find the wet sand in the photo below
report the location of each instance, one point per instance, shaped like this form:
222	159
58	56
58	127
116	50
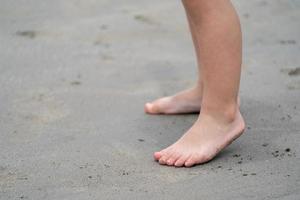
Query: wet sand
75	75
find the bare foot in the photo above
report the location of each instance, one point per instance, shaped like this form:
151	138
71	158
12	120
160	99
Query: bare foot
203	141
188	101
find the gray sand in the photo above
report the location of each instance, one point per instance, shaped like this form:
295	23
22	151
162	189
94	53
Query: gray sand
75	75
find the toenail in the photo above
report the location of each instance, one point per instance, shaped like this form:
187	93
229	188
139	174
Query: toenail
157	155
188	164
178	165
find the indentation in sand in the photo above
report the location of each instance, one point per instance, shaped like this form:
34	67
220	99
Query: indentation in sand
34	111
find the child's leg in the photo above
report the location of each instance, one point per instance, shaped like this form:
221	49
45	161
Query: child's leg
187	101
220	122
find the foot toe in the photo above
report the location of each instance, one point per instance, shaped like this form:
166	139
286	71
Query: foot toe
180	161
157	155
195	159
163	160
171	161
152	108
190	162
166	154
148	108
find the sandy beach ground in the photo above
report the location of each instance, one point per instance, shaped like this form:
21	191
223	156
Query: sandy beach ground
75	75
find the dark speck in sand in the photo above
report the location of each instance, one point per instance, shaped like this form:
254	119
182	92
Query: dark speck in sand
275	154
236	155
90	177
281	154
104	27
28	34
141	140
125	173
219	166
253	174
245	174
75	83
240	162
294	72
143	19
23	178
249	157
265	144
287	42
246	15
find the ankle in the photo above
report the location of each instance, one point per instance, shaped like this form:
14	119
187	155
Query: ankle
226	113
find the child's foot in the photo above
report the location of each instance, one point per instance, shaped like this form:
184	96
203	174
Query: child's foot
203	141
188	101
